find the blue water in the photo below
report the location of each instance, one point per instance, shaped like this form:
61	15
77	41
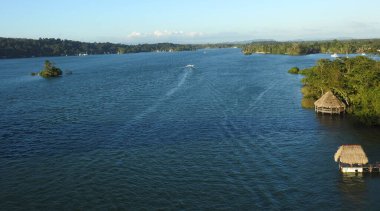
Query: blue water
140	131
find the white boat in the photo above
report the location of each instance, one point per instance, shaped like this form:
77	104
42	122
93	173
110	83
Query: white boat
189	66
334	55
363	54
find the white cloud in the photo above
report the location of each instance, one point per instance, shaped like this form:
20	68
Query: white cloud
160	33
166	33
134	35
195	34
163	36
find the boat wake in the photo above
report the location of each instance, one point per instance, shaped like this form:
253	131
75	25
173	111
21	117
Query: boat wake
151	109
180	83
252	105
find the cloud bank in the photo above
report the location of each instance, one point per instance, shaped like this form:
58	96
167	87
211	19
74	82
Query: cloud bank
163	36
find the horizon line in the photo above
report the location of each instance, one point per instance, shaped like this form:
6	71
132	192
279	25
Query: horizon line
204	43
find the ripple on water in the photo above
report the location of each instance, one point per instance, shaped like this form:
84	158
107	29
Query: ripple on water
140	132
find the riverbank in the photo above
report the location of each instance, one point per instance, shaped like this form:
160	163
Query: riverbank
48	47
369	46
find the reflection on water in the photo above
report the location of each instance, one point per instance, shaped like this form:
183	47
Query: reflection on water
358	189
353	189
348	131
332	120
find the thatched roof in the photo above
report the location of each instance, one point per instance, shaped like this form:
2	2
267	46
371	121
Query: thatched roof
351	154
328	100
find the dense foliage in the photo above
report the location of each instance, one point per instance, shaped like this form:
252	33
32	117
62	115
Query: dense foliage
311	47
294	70
356	81
50	70
19	48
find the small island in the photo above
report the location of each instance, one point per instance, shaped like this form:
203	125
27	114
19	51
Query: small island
49	70
294	70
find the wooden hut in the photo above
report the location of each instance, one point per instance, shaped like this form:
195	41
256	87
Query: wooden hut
352	158
330	104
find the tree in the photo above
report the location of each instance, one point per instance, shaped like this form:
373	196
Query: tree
309	47
19	48
50	70
356	81
294	70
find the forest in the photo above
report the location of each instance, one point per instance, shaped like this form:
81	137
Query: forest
356	81
25	48
369	46
22	48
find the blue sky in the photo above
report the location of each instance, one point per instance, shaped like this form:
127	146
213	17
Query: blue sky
189	21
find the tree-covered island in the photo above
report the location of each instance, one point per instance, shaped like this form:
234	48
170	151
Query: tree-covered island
49	70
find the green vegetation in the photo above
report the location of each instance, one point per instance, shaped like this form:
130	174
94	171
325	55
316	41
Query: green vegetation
50	70
21	48
312	47
356	81
294	70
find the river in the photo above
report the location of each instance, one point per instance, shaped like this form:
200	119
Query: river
142	131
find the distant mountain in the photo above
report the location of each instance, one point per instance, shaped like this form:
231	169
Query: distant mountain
243	42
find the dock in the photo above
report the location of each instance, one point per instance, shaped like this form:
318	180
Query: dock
367	168
352	159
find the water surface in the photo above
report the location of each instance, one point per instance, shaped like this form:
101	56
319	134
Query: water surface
140	131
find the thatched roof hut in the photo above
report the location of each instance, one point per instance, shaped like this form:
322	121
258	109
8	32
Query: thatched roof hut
351	154
328	103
